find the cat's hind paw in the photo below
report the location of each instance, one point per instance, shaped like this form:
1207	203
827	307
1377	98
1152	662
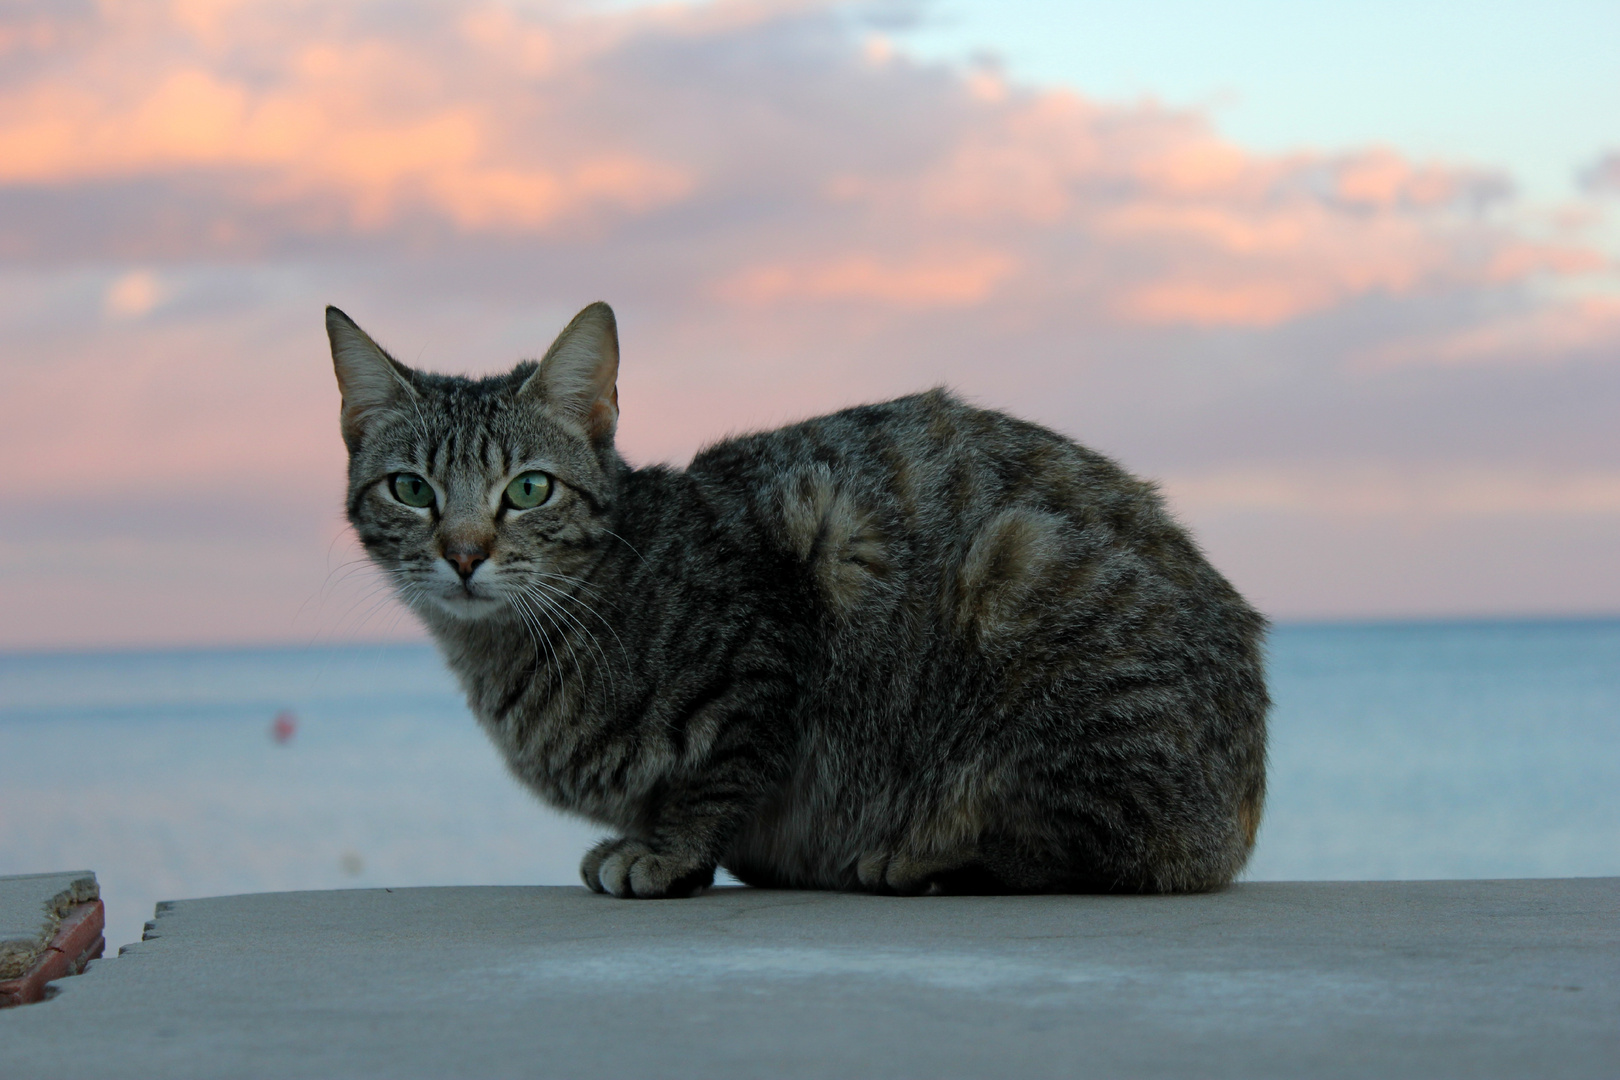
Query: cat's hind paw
631	869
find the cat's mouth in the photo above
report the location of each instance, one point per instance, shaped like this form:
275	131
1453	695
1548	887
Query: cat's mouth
468	600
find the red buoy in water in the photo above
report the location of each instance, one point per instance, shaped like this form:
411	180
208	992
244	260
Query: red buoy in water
284	727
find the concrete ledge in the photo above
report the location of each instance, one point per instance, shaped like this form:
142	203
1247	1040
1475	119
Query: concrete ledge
1368	979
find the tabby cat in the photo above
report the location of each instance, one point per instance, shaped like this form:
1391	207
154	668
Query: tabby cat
906	648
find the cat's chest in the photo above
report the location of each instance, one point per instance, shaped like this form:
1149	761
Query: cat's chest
523	716
550	742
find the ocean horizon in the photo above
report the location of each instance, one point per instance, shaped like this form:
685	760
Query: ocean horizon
1400	749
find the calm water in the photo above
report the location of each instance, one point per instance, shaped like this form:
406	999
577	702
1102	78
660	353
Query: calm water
1398	751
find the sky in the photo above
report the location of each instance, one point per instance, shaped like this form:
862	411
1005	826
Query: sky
1491	82
1344	283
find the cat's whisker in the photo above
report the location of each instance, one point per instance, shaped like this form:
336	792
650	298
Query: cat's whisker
595	643
567	579
348	567
627	544
560	594
546	604
323	594
393	621
605	666
371	594
540	613
336	576
378	605
576	585
380	592
535	636
535	617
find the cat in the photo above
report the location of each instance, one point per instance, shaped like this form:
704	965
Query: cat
913	647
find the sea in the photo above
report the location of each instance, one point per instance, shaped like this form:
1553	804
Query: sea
1398	750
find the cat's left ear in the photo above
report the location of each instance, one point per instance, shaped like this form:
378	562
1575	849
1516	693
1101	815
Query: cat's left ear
580	373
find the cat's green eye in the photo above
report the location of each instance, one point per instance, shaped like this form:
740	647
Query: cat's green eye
528	491
411	489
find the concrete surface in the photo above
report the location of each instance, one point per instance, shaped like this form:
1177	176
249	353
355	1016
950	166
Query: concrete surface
1370	979
31	908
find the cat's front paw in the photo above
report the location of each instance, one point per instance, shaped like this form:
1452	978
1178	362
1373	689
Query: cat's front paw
901	874
632	869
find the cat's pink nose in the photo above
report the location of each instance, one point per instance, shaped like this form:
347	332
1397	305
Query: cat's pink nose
465	558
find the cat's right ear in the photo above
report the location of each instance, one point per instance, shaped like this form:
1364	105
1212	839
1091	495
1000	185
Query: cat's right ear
371	381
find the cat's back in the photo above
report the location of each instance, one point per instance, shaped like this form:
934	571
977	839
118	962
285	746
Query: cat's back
948	550
871	496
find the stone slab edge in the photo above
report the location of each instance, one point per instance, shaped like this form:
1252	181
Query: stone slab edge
79	939
32	907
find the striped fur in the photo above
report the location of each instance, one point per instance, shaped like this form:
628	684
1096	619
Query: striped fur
909	647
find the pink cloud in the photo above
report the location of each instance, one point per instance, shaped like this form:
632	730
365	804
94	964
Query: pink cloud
788	219
362	115
1254	303
492	120
948	279
1547	333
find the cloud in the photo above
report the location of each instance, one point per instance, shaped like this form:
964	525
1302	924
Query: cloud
352	118
1401	493
134	294
1552	332
787	162
946	279
1602	177
788	218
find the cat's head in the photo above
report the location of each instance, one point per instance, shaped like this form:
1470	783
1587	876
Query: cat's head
481	496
